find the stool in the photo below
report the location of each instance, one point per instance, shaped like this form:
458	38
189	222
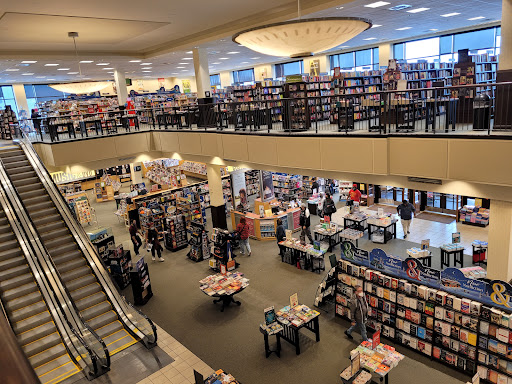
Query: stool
269	351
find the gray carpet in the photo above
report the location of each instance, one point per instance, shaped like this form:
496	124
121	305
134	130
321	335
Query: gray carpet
232	341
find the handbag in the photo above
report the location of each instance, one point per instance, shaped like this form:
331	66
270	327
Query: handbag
149	247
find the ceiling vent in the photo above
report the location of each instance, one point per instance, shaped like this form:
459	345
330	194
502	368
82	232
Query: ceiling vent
424	180
400	7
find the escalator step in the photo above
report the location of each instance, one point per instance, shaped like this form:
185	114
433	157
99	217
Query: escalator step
14	251
21	162
35	200
22	176
23	278
19	168
11	263
42	344
24	303
8	246
102	320
31	181
90	301
109	329
39	206
53	244
48	355
14	272
85	291
56	370
6	236
96	310
4	226
31	322
50	226
36	333
24	189
80	282
66	257
58	233
50	216
66	248
29	192
32	310
118	341
76	273
72	264
21	290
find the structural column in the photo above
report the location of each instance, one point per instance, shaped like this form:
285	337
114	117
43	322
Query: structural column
385	54
122	90
21	99
136	175
202	73
499	258
217	203
504	94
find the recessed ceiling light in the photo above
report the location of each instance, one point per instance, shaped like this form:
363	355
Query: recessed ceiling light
371	38
107	68
233	53
477	18
87	61
244	62
377	4
40	77
51	79
29	62
450	14
135	61
63	69
402	29
51	65
72	73
188	58
102	63
146	67
345	46
146	63
147	76
146	71
433	29
376	25
107	72
183	63
12	69
180	67
27	74
338	8
418	10
255	58
215	63
184	70
174	73
223	58
189	52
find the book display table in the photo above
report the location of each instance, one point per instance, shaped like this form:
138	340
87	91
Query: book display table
224	287
218	377
352	235
448	250
367	363
380	231
356	221
304	256
296	318
266	334
424	256
330	234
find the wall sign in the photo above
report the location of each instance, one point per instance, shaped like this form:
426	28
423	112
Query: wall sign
62	177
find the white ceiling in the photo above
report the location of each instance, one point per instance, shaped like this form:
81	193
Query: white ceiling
136	30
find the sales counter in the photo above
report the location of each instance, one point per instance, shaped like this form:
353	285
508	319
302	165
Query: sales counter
264	228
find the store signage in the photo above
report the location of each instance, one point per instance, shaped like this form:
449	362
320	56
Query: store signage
267	186
375	339
239	190
62	177
314	67
293	78
495	292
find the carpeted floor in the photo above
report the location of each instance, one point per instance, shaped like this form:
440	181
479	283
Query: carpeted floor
232	341
445	219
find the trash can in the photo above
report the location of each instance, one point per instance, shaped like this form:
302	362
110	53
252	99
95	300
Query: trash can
482	112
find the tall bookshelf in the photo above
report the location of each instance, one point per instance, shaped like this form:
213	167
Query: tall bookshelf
252	182
287	187
298	110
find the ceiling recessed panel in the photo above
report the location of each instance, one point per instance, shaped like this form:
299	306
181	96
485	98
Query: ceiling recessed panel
53	29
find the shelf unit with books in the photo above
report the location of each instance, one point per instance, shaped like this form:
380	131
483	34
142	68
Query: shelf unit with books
252	182
199	244
298	109
287	187
175	233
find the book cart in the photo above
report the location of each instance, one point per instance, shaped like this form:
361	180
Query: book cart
461	322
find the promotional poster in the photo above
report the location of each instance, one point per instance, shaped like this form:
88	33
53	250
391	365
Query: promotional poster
267	186
239	191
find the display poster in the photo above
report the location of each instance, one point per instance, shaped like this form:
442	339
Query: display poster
161	82
270	315
294	300
314	67
337	72
140	264
239	191
478	202
267	186
186	86
140	85
355	363
375	339
261	211
250	225
456	238
327	219
289	234
495	292
296	219
425	244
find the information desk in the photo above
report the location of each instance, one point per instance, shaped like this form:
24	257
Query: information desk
264	228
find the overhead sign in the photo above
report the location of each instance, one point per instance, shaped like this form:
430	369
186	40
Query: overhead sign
62	177
293	78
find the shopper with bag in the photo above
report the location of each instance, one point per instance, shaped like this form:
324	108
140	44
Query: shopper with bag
320	205
243	229
329	206
406	211
358	313
280	236
305	223
134	236
153	244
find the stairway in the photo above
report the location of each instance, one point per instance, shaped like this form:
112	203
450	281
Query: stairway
71	264
28	313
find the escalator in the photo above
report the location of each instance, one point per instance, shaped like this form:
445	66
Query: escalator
35	304
79	266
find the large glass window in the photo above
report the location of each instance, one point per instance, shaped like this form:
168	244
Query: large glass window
245	76
215	80
7	98
422	48
37	93
452	201
366	59
291	68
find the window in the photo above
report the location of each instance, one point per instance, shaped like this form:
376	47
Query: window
291	68
7	97
366	59
434	199
244	76
481	39
451	202
215	80
422	48
37	93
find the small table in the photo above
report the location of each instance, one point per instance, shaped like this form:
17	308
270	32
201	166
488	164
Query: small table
269	351
290	332
425	260
292	255
227	299
458	257
224	287
333	238
360	225
389	231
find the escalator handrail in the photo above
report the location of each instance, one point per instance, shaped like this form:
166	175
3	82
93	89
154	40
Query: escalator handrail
78	232
39	273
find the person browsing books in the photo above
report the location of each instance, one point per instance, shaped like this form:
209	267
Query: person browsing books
329	206
358	313
406	211
315	187
305	223
134	236
243	229
280	235
320	205
153	242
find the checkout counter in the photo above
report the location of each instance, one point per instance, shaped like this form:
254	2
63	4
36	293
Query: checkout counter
264	228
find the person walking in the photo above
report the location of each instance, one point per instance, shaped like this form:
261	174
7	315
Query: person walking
354	195
243	229
329	206
280	236
305	223
134	236
358	313
315	188
320	205
152	240
406	211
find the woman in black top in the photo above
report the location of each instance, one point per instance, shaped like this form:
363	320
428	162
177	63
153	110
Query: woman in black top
329	206
280	236
152	238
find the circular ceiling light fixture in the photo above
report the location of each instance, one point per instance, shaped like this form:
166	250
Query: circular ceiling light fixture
302	37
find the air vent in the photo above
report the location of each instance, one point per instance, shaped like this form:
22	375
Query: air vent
400	7
424	180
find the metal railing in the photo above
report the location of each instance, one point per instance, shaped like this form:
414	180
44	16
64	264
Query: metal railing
454	109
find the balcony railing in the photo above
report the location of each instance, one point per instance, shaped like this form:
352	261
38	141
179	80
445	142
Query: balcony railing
476	109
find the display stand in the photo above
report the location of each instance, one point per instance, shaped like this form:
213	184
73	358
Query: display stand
269	351
120	264
175	233
199	245
103	241
224	259
141	285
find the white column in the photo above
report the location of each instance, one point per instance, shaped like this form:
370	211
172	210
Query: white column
225	79
136	175
499	258
122	90
215	185
21	98
506	36
385	54
202	73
